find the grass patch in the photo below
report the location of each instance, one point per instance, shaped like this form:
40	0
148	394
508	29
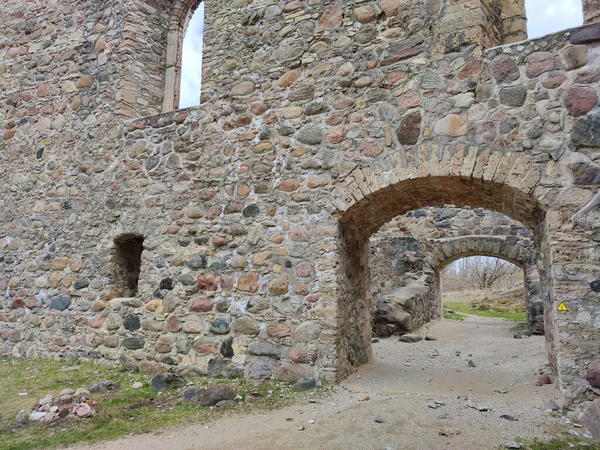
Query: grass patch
118	413
559	444
466	308
453	316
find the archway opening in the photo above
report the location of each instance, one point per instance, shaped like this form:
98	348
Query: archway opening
371	206
409	254
127	263
484	286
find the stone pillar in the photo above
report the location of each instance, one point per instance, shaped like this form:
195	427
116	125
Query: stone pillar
513	21
591	11
354	301
533	299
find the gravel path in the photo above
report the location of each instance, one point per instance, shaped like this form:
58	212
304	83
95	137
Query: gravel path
400	384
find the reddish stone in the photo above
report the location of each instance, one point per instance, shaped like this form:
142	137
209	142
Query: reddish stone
370	149
279	286
331	17
207	349
17	303
335	136
544	379
207	283
9	134
409	130
364	14
343	104
394	77
278	330
312	298
470	69
554	82
258	109
97	322
111	342
227	282
299	355
539	63
289	185
580	100
248	282
60	341
207	195
593	375
505	69
173	324
294	372
305	269
391	8
219	241
301	288
409	101
299	234
201	304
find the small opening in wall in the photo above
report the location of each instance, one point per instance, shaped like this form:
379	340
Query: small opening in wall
128	258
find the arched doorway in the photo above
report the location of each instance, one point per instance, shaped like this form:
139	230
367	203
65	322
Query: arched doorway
368	198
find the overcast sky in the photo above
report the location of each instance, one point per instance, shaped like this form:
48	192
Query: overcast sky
544	17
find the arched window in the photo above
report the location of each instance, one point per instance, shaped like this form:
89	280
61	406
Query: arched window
191	61
187	20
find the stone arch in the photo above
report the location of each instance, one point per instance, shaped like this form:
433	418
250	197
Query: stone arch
434	175
449	250
181	15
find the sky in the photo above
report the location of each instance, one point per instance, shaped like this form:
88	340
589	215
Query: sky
191	61
543	17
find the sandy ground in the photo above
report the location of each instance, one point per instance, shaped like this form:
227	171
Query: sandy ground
400	383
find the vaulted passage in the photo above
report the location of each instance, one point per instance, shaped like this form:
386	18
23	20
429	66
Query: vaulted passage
371	212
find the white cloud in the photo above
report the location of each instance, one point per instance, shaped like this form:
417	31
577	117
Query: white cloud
191	60
549	16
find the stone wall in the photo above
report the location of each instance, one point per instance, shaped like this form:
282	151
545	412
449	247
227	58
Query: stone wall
321	121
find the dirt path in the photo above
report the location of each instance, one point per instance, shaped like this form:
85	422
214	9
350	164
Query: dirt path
400	383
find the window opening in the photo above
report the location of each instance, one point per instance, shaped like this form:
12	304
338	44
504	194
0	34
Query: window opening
128	257
191	61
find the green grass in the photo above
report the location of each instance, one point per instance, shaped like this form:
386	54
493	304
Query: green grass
467	309
558	444
118	413
454	316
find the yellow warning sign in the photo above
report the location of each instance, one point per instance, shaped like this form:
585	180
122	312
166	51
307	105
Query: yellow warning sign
562	307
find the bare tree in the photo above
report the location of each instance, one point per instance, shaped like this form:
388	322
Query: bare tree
481	273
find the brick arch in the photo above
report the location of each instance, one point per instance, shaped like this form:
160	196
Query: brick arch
434	175
181	14
448	251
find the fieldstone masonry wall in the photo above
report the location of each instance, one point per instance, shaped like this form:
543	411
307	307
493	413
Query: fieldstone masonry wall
320	122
